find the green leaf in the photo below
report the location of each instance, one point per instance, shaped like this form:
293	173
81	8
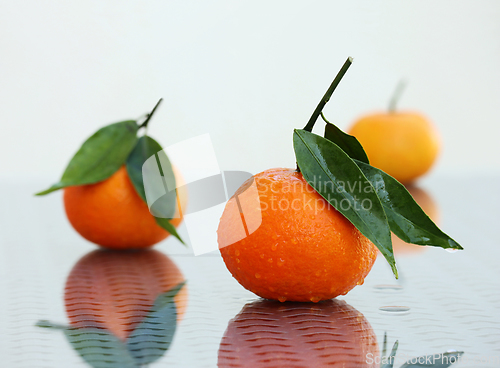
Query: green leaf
153	336
98	347
161	178
406	219
434	361
100	156
348	143
167	225
337	178
147	149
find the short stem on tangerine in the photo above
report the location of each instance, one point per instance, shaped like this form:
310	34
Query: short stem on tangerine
398	91
150	115
328	94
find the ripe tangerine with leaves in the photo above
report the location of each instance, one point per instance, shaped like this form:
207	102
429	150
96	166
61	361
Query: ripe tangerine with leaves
105	194
328	252
111	213
304	249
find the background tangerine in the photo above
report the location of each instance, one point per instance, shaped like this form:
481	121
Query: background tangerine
111	213
403	144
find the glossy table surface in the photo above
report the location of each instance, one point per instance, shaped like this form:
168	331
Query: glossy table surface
443	302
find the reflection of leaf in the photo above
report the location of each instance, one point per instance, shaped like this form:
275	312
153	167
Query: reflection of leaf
434	361
389	361
147	343
100	156
426	361
337	178
98	347
153	336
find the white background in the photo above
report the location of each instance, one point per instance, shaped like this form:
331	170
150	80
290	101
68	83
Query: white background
246	72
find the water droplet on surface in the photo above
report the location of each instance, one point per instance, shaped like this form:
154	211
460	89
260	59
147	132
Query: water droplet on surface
314	299
395	309
360	282
388	288
262	255
257	275
294	241
237	252
282	298
451	250
270	260
237	260
274	246
313	217
280	262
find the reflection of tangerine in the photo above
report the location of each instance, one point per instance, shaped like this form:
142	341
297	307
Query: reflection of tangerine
116	290
111	213
304	249
403	144
270	334
429	206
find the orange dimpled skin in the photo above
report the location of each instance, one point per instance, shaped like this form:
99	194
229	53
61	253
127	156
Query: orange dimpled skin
304	249
111	214
403	144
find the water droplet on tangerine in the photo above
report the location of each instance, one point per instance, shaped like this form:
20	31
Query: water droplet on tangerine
282	298
237	252
314	299
274	246
257	275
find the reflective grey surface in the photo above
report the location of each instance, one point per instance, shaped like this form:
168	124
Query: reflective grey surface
442	302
